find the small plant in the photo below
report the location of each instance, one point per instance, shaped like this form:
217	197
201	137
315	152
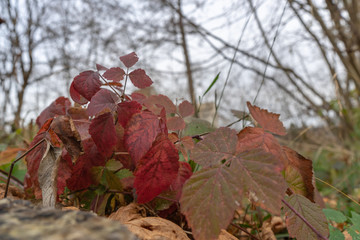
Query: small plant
144	149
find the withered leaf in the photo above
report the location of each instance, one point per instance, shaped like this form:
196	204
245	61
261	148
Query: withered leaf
47	174
65	129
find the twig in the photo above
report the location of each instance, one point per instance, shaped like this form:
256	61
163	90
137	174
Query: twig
304	220
244	230
15	161
18	181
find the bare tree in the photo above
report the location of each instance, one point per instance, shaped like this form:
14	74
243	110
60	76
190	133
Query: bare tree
52	40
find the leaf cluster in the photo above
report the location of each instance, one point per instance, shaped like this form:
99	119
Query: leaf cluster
112	148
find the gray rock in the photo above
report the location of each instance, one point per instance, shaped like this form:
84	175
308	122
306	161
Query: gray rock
20	220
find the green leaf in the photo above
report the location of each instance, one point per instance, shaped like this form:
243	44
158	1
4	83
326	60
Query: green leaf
197	126
212	84
353	234
336	234
334	215
355	219
113	165
124	173
311	212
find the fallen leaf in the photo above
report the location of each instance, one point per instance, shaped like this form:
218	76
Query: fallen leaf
225	235
128	213
155	228
10	154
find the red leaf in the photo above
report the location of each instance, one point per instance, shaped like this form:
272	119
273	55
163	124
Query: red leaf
126	110
58	107
186	109
81	176
64	172
103	99
140	133
33	161
156	170
253	138
184	145
215	147
138	97
87	84
299	174
175	123
269	121
223	185
75	95
130	59
93	155
101	67
139	78
156	102
102	131
115	74
184	174
125	159
311	212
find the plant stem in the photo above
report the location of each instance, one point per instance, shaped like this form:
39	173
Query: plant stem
15	161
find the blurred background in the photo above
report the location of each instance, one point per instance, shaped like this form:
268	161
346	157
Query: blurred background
298	58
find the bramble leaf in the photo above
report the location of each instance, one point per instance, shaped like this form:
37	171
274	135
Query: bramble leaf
184	174
76	96
87	84
311	212
102	131
175	123
299	174
126	110
103	99
196	126
140	133
138	97
101	67
215	147
186	109
115	74
204	193
155	103
156	170
334	215
81	176
269	121
139	78
57	107
253	138
225	176
130	59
